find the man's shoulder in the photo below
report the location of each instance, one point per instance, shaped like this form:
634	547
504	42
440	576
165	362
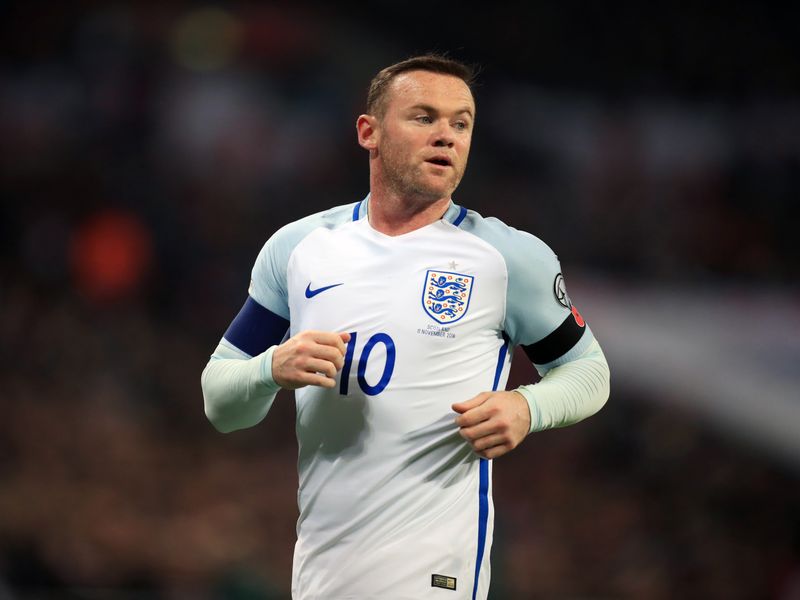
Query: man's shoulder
292	233
268	281
508	240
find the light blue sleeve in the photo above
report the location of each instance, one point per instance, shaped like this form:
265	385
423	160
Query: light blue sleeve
238	389
536	317
268	280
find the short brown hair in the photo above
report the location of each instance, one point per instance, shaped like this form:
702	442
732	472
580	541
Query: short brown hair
435	63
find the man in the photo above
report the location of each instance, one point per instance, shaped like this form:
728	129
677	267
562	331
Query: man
402	313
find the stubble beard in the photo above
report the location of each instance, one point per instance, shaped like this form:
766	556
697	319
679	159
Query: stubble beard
408	182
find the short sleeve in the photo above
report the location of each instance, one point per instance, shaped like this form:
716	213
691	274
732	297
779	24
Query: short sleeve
539	314
268	278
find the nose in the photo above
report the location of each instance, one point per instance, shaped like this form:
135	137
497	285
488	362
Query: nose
443	135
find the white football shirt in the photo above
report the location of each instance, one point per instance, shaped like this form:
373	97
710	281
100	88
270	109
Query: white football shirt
393	502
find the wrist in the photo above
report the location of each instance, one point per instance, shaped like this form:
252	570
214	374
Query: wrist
533	409
265	374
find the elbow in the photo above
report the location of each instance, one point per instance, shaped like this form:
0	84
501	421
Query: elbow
217	419
604	389
227	417
212	405
226	409
219	415
597	387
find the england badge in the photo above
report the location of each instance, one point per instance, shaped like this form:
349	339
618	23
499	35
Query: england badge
446	295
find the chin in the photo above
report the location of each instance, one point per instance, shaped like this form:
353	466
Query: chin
439	189
434	194
427	188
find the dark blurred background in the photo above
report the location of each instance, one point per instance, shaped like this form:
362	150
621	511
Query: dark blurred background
147	151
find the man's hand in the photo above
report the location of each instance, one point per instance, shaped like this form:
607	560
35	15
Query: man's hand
494	422
309	358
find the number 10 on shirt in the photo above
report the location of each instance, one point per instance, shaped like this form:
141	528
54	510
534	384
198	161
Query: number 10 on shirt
363	359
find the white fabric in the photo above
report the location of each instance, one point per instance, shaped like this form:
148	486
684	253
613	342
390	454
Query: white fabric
390	494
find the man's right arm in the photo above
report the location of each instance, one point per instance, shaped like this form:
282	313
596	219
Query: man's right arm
239	387
252	361
238	391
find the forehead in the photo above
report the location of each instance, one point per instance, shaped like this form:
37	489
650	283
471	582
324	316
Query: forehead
424	87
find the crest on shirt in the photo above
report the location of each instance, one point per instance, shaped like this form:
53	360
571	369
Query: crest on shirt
446	295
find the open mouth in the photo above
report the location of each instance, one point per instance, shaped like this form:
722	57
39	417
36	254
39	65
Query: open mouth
441	161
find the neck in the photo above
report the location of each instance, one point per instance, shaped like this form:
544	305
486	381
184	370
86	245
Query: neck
394	212
395	215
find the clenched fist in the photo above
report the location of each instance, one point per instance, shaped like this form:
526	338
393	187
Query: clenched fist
494	423
309	358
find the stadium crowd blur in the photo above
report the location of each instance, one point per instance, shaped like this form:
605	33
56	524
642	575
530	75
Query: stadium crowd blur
149	150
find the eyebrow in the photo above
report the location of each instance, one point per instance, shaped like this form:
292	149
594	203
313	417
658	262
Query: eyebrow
429	108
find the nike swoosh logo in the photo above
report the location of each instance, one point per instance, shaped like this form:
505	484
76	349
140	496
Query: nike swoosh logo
311	293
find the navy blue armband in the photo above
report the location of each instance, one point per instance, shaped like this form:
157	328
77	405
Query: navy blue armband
558	343
256	328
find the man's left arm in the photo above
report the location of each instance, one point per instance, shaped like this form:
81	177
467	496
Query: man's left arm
495	423
575	381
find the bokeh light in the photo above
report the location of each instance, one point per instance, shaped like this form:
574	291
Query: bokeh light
206	39
111	253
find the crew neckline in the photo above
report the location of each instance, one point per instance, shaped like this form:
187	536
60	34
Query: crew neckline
453	215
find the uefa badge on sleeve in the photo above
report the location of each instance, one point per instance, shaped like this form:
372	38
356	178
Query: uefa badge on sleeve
446	295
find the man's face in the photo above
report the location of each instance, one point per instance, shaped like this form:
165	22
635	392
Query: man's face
425	134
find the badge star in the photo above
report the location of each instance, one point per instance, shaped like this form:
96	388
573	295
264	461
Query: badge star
453	264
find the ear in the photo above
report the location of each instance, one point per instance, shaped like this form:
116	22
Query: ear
368	134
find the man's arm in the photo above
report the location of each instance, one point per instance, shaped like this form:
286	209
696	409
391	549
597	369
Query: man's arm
238	384
541	318
570	392
252	361
238	391
495	423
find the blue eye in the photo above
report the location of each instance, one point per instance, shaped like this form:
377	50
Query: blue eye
425	119
460	125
